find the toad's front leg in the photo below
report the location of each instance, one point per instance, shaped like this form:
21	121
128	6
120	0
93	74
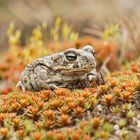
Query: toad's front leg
92	76
53	86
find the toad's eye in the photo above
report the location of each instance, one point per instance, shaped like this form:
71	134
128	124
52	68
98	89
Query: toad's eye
71	56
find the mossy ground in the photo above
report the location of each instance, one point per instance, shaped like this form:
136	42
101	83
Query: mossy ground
110	111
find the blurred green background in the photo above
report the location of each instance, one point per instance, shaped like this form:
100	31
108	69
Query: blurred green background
89	17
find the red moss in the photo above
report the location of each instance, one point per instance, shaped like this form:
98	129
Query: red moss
65	119
134	68
4	132
60	136
20	133
37	135
108	99
96	122
49	114
126	95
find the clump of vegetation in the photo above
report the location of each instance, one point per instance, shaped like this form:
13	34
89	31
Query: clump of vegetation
109	111
105	111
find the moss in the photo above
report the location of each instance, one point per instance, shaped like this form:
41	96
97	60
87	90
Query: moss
97	112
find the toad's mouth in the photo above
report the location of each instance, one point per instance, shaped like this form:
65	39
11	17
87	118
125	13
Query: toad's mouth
77	71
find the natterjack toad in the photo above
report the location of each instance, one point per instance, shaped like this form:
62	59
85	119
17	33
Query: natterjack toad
66	69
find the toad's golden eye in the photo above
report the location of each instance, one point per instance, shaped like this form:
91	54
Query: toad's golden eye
71	56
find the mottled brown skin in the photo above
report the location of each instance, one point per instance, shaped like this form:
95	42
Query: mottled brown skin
65	69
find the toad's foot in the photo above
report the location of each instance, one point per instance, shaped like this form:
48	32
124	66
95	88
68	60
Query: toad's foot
92	76
100	79
53	86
